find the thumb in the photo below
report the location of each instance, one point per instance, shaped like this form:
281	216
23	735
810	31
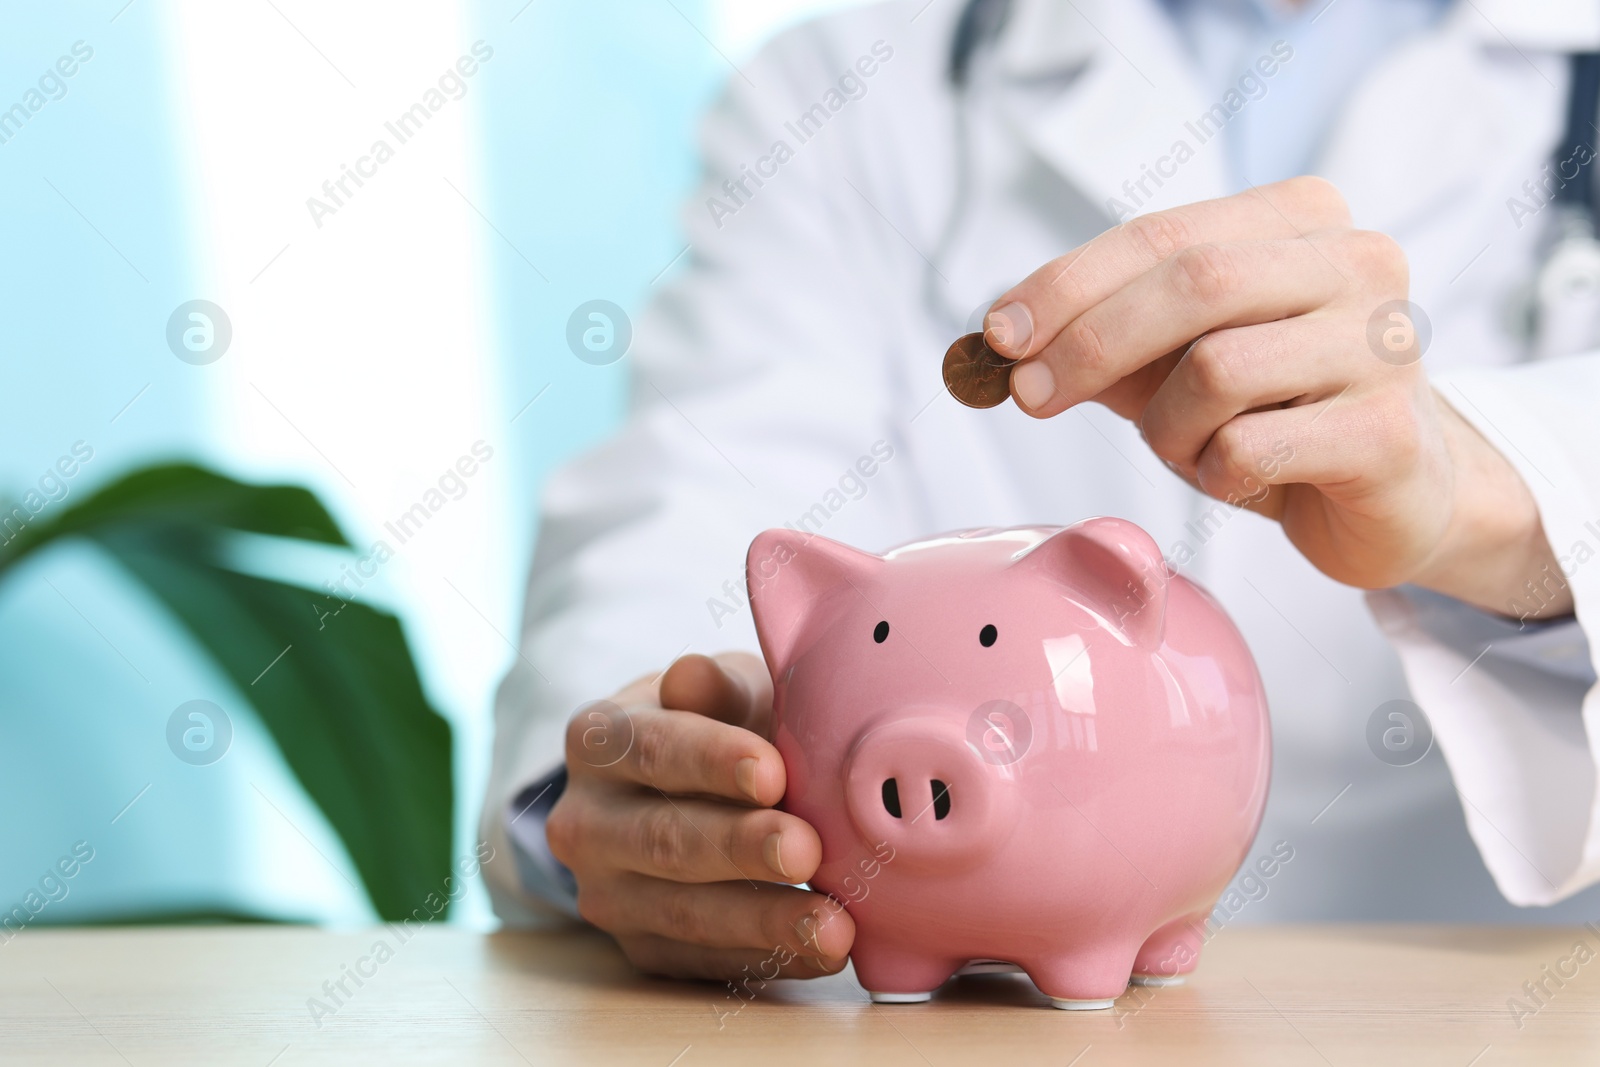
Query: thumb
733	687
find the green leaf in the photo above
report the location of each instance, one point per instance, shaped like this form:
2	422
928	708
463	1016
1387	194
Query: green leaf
339	693
180	494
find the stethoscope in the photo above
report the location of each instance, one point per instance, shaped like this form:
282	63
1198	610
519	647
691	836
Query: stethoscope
1564	308
979	24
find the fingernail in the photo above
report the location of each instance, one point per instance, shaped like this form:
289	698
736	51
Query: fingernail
772	852
1033	384
822	966
1009	330
744	776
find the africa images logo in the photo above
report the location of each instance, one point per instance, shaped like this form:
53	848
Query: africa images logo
199	732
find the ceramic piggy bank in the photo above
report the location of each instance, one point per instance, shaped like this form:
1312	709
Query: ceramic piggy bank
1026	746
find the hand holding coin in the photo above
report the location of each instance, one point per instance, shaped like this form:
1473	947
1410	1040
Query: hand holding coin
1235	335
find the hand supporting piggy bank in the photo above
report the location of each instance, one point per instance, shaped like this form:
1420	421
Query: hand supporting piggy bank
1029	745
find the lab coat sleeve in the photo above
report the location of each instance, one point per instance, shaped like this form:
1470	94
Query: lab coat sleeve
762	397
1513	706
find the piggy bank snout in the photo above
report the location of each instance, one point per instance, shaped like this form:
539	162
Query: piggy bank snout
916	785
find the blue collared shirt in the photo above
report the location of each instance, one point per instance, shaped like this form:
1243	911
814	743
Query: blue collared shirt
1335	44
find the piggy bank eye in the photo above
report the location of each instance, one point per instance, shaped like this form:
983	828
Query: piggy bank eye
987	635
880	632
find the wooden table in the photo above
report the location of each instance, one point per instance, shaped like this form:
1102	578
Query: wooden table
1363	995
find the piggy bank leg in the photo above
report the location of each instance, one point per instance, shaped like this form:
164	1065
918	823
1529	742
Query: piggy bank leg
1092	977
894	975
1171	952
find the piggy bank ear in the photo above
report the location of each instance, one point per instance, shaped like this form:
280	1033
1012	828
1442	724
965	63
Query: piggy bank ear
795	579
1117	569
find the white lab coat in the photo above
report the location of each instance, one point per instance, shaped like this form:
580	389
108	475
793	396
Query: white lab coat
809	325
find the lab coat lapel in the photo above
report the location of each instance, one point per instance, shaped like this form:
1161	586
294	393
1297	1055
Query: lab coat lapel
1424	125
1545	26
1435	116
1121	131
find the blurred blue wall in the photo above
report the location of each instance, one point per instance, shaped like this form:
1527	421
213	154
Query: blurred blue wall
590	144
97	247
587	134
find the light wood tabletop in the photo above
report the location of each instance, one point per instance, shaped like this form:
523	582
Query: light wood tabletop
1364	995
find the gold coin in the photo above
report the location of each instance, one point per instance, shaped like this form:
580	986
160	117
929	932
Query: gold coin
975	374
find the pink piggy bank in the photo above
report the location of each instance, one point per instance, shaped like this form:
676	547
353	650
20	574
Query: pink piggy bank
1029	746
